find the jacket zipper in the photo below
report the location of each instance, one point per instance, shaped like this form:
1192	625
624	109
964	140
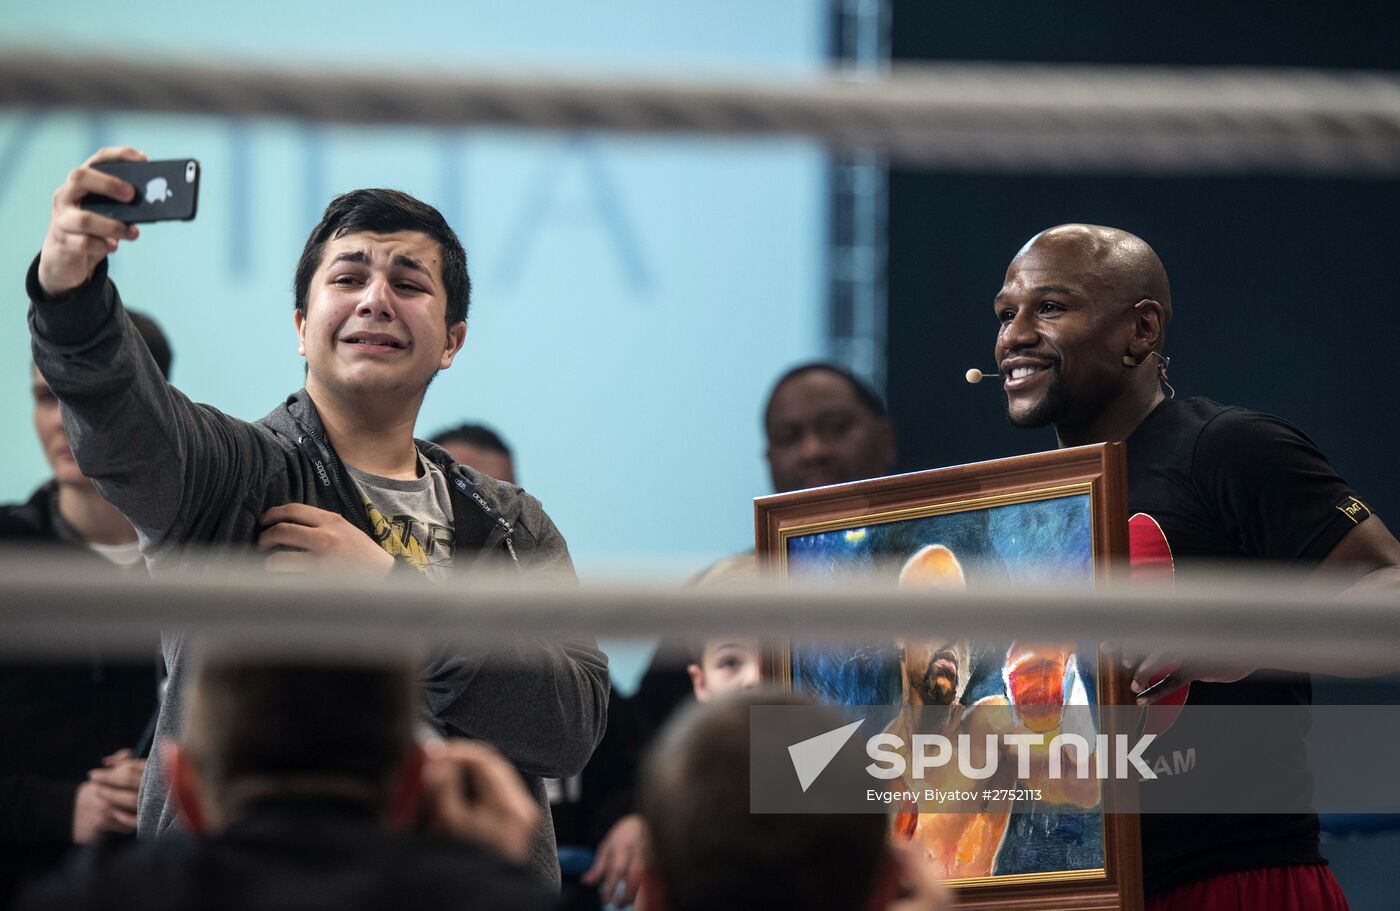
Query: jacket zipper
356	509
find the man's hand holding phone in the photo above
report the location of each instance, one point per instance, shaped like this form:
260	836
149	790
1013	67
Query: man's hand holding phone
77	239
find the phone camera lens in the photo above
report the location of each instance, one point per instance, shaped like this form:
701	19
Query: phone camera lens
189	171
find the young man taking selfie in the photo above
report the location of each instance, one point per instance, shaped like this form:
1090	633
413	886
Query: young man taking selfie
333	478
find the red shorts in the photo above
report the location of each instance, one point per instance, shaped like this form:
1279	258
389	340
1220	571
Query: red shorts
1305	888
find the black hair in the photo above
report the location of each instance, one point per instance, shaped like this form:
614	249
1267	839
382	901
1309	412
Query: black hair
867	396
155	339
478	435
382	212
270	719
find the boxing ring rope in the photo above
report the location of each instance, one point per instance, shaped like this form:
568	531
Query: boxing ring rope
982	117
53	606
947	116
951	116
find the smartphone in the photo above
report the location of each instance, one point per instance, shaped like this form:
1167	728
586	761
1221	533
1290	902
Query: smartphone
165	191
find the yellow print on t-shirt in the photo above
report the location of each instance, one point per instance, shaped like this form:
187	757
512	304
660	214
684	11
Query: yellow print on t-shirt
423	546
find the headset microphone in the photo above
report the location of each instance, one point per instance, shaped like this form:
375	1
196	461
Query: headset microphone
1163	362
975	376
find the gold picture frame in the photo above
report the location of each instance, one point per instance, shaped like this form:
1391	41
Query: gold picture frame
1084	490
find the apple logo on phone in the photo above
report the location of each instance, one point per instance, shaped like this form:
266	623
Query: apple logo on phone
158	190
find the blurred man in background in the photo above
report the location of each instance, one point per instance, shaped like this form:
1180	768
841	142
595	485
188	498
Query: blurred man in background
825	426
68	510
298	784
67	770
478	446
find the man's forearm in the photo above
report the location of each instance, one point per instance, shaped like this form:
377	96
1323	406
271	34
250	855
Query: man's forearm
543	704
162	460
72	318
1386	578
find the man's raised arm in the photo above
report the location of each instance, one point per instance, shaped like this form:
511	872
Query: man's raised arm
132	433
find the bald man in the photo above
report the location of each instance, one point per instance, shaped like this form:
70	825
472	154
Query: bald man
1082	317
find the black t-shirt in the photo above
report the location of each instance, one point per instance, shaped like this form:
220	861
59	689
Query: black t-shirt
1225	483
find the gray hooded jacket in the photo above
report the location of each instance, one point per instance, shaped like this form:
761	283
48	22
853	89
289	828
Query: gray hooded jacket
188	474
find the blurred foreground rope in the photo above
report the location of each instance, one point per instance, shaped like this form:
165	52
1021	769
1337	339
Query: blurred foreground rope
978	117
51	605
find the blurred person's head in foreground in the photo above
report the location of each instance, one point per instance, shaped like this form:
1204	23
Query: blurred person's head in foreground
478	446
303	778
824	425
275	727
708	851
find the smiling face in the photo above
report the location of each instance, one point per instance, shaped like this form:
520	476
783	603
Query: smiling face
1077	301
375	323
48	424
1064	329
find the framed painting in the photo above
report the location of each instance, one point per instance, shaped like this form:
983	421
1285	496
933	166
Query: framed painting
1048	518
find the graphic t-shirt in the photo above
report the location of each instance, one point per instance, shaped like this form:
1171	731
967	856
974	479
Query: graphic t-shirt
1223	483
412	520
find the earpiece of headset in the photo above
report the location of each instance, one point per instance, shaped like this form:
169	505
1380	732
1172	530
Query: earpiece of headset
1163	360
1163	363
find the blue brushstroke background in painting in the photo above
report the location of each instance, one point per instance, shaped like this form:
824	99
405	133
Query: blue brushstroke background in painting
1024	543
